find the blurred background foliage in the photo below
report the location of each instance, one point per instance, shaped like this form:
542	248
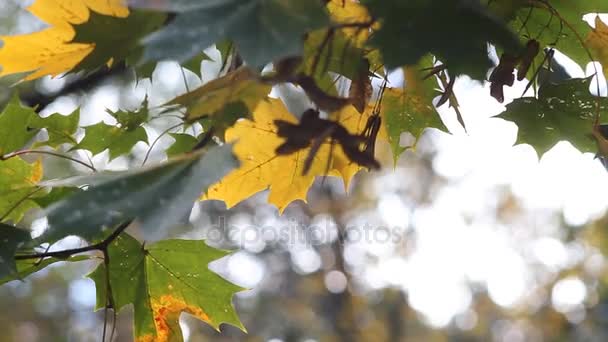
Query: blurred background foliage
468	239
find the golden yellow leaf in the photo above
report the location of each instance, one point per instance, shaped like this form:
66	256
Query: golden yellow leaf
597	42
348	12
255	144
49	52
210	98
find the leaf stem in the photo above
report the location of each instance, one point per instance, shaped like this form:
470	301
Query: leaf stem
51	153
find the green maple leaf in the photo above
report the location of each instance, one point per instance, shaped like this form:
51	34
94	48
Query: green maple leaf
456	32
563	111
158	196
539	22
11	238
15	126
131	120
17	182
412	109
118	140
263	30
161	281
194	64
183	143
60	128
114	38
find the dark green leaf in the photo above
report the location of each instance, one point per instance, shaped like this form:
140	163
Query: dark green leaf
263	30
157	196
564	111
114	38
56	194
11	238
456	32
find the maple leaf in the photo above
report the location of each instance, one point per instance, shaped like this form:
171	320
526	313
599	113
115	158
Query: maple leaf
118	140
17	181
349	12
15	126
70	43
158	196
162	280
597	42
183	143
411	109
262	30
218	100
255	144
411	29
60	128
563	111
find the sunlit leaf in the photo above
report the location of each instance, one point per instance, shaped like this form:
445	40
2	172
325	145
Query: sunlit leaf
255	144
597	42
16	128
350	12
411	109
213	100
161	281
51	50
17	181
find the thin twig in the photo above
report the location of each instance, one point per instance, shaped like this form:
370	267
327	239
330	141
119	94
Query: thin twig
51	153
66	253
157	139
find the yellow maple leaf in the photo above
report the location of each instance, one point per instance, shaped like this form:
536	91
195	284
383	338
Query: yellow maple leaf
49	52
261	169
597	42
348	12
